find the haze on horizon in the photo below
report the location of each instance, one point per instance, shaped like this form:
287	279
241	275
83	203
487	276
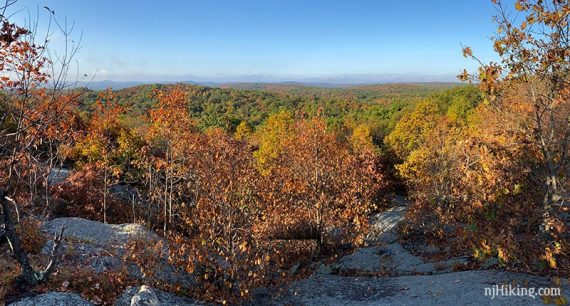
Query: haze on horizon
275	41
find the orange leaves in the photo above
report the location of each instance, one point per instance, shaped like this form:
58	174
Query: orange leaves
171	115
550	258
230	205
499	47
520	5
10	33
32	238
467	52
23	60
464	76
472	174
215	175
314	182
106	114
490	78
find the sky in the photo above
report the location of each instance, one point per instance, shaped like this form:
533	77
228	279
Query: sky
350	41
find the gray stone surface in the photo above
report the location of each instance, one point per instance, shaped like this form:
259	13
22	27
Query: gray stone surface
458	288
53	299
386	256
97	232
102	247
58	175
167	273
145	295
384	226
105	263
393	259
400	278
489	263
324	269
365	259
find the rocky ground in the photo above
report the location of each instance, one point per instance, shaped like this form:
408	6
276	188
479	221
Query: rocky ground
384	273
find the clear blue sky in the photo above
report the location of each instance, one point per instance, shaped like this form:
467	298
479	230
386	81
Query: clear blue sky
276	40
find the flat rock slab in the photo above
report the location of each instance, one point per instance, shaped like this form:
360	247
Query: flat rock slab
393	259
102	247
53	299
94	244
384	226
145	295
399	261
458	288
97	232
364	259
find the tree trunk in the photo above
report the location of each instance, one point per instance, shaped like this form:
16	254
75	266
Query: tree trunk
29	275
550	198
133	206
105	187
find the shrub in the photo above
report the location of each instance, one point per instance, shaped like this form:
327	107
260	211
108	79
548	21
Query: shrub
31	236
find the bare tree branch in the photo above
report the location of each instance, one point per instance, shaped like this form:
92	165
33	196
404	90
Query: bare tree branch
29	275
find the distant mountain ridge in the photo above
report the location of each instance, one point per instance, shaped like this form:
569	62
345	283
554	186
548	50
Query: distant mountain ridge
99	85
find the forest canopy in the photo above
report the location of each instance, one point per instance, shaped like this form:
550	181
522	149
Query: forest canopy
245	181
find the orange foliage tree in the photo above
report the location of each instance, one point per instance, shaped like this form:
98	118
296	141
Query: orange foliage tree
317	187
98	149
30	111
165	160
219	220
205	186
498	176
535	51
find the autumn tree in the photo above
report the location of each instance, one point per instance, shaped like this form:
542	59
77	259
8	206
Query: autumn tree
220	218
270	137
34	85
205	186
99	147
165	158
361	140
473	181
316	187
243	131
493	174
534	48
413	128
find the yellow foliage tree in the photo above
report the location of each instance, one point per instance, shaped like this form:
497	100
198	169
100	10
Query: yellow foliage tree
243	131
271	136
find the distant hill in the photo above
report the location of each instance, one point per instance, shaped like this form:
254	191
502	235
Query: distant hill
277	86
289	85
227	105
99	85
369	92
